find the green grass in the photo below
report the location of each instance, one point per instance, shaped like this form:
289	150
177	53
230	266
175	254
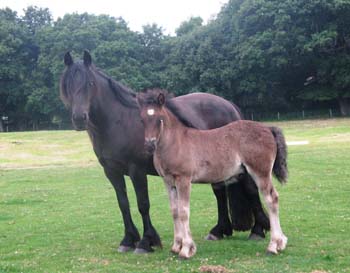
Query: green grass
58	213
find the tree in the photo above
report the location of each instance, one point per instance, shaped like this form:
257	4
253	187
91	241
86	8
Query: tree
13	69
188	26
330	49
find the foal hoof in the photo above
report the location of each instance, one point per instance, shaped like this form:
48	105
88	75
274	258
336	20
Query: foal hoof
142	251
211	237
123	249
271	253
255	237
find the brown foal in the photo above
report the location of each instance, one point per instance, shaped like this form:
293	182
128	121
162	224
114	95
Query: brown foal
185	155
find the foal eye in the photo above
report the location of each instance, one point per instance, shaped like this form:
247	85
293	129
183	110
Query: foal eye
91	83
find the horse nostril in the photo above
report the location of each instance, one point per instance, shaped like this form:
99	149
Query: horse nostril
80	117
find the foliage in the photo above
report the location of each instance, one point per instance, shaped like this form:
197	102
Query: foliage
262	54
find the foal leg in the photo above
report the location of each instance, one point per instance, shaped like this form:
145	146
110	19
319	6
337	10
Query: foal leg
150	236
278	240
183	186
172	193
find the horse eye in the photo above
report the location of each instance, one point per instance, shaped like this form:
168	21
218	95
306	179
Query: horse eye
91	83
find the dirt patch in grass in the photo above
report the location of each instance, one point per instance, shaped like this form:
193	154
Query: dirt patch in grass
214	269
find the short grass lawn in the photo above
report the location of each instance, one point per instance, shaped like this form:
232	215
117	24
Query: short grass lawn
58	212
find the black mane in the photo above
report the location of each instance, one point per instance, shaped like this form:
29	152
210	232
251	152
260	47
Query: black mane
169	104
123	94
150	97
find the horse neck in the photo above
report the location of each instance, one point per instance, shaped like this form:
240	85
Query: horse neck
105	106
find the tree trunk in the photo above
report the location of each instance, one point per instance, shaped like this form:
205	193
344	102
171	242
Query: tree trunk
344	105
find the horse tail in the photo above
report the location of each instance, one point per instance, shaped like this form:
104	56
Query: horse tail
280	169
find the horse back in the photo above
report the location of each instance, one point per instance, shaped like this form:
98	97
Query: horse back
205	111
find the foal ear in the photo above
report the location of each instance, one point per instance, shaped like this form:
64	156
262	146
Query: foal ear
87	58
161	99
68	60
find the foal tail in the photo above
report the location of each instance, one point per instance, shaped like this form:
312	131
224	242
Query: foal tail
280	169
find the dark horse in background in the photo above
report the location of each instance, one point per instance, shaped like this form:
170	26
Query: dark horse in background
111	116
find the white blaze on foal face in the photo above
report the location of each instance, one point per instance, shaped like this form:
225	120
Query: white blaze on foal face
150	111
151	124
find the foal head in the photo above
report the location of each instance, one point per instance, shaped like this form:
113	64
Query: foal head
77	88
151	105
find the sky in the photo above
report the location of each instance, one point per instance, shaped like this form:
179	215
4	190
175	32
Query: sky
165	13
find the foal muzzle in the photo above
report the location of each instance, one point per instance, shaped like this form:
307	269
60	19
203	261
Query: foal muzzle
150	144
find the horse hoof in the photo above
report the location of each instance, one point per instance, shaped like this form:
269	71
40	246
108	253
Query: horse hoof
141	251
123	249
183	258
211	237
255	237
271	253
282	243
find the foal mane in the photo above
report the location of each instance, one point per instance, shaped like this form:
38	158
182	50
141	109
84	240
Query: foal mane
150	96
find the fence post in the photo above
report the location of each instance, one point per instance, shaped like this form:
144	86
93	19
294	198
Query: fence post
330	113
252	116
278	115
303	114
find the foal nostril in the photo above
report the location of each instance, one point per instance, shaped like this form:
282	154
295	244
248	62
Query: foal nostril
150	144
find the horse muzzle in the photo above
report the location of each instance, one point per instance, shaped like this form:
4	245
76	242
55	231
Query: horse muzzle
80	121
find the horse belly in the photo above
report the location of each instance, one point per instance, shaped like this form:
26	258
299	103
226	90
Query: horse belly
214	173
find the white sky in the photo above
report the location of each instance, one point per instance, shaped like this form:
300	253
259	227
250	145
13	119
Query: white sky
165	13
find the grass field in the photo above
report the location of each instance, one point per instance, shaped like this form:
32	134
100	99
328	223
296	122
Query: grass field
58	213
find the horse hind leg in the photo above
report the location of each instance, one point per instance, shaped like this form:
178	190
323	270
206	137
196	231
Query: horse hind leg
223	226
278	241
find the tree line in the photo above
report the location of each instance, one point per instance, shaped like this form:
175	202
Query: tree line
264	55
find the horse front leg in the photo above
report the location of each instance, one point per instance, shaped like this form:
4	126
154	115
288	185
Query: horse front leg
223	226
183	188
150	236
131	234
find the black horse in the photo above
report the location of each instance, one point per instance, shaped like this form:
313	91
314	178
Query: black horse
110	114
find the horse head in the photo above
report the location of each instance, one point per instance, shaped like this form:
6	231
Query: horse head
77	89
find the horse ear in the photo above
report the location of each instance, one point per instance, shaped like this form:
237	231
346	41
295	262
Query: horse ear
68	60
87	58
161	99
